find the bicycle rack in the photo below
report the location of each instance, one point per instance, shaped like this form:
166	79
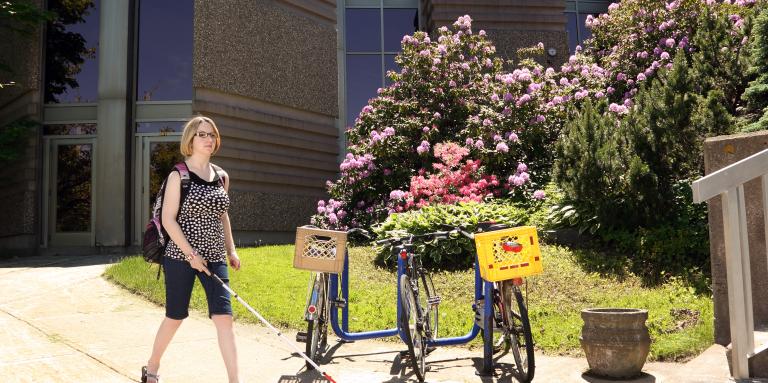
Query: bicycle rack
483	290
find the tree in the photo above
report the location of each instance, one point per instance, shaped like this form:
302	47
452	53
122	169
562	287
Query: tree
756	95
20	18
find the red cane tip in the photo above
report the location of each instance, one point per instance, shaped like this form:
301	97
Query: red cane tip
329	378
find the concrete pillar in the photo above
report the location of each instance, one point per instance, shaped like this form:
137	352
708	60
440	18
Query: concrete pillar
720	152
109	181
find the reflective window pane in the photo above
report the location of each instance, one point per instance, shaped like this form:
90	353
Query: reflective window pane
570	28
160	127
165	50
162	157
363	79
69	129
71	52
397	23
73	188
363	30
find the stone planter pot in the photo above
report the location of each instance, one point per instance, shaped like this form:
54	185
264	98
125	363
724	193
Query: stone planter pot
615	341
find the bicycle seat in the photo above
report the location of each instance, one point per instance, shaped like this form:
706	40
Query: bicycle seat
487	226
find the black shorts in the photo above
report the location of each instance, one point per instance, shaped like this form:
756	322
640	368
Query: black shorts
179	280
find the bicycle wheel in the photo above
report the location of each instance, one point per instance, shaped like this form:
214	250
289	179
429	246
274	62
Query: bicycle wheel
431	310
516	330
411	326
317	329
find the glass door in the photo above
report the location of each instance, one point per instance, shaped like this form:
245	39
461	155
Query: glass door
70	192
157	157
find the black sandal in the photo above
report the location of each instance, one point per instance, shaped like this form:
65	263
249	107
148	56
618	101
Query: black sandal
148	375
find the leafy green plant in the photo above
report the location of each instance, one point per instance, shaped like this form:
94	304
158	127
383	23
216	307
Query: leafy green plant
13	138
457	252
567	215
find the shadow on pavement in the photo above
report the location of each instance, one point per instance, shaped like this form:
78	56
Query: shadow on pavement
59	261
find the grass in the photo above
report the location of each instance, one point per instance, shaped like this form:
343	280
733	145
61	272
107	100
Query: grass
680	321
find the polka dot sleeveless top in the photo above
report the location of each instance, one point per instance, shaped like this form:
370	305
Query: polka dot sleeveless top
200	220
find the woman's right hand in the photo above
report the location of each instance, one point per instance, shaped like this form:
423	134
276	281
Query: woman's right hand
198	263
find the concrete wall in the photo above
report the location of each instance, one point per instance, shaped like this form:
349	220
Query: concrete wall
19	189
510	24
266	71
720	152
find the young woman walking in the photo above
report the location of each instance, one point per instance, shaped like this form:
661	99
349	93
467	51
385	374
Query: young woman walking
200	244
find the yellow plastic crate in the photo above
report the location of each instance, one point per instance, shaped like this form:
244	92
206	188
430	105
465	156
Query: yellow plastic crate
501	259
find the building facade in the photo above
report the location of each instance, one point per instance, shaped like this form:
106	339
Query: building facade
112	82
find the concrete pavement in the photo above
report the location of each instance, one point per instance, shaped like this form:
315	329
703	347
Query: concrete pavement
60	321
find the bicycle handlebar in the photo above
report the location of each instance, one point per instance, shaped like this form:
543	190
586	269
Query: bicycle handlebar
410	238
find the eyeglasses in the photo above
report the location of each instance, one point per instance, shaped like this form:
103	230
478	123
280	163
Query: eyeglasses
202	134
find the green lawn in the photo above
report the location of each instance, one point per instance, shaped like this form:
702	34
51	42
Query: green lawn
680	321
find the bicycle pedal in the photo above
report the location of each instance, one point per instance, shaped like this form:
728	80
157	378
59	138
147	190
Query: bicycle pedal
340	303
301	336
434	300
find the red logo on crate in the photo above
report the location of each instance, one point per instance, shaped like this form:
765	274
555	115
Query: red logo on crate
512	246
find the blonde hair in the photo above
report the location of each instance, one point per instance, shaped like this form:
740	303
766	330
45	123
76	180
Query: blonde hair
190	130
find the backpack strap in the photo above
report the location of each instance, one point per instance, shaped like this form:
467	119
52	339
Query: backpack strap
183	170
220	172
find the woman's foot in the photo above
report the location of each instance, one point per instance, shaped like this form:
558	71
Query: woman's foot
149	376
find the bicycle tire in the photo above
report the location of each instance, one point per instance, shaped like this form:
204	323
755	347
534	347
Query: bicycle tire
432	311
517	330
409	323
317	329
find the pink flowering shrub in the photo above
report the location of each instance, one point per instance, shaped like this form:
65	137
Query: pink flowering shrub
453	126
637	38
453	181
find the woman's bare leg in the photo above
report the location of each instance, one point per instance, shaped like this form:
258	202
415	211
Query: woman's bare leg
163	338
226	335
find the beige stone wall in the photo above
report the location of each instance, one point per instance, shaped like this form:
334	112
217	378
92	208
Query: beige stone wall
510	24
266	72
720	152
19	189
283	52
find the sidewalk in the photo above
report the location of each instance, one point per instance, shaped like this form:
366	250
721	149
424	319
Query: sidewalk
60	321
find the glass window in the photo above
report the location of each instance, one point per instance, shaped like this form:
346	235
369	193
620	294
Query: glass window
73	188
165	50
363	79
584	32
162	157
398	23
363	30
572	31
69	129
71	58
160	127
369	43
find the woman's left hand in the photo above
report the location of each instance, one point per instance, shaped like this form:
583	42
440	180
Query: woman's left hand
234	260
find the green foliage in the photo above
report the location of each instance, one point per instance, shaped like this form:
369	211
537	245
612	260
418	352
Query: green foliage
20	18
756	95
679	319
457	252
13	139
622	170
66	51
